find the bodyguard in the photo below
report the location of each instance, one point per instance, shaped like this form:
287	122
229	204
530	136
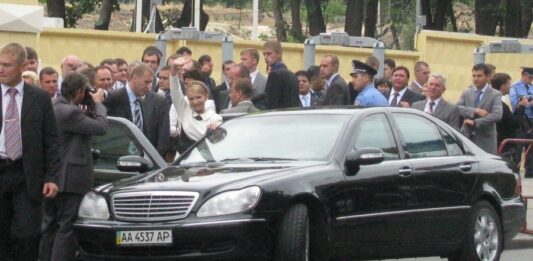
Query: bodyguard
363	82
75	172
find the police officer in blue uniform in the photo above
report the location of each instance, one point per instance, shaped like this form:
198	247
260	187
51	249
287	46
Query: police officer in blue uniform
520	90
363	82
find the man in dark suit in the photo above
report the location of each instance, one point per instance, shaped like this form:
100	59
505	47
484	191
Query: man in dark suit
240	94
236	72
282	86
28	157
75	170
436	105
226	66
304	86
150	113
400	95
336	90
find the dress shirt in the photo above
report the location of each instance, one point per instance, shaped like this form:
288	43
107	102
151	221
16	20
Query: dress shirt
132	98
117	85
253	75
306	99
426	109
418	84
5	101
328	82
517	90
400	95
194	128
483	91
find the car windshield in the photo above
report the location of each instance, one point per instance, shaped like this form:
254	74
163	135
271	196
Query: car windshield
270	138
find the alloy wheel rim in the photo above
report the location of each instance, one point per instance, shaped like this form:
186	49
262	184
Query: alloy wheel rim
486	238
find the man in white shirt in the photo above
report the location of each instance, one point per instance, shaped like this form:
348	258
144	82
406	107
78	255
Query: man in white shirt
400	95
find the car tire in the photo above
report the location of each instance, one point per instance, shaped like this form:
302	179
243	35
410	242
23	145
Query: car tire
484	239
293	241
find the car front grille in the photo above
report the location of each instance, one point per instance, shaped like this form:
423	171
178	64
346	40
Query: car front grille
152	205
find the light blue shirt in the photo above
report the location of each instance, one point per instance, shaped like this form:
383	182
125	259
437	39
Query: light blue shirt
132	98
517	90
371	97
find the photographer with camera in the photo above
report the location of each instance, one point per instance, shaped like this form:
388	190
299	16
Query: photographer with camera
75	128
521	96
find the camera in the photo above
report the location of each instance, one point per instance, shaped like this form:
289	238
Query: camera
528	97
88	101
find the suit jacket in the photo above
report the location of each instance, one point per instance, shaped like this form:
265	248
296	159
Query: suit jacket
409	97
223	100
282	88
315	101
258	97
509	124
414	87
154	111
484	133
244	106
216	96
40	155
444	111
156	125
75	130
337	93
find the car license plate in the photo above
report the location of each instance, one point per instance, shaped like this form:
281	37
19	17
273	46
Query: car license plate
144	237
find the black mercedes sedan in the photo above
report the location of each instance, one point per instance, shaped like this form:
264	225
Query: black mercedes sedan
324	184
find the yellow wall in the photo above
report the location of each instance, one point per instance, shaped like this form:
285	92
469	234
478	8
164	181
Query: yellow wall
448	53
452	54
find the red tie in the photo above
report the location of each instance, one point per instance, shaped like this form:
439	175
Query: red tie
12	127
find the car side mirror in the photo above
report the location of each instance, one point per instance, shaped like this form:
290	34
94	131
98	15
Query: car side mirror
362	156
134	164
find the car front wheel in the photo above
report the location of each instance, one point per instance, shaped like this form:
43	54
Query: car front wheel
484	240
293	239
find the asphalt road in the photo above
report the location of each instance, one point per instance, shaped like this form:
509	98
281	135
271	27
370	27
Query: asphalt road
508	255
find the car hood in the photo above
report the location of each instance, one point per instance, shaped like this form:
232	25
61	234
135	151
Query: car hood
210	176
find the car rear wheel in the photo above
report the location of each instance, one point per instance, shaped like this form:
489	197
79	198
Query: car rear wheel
294	239
484	240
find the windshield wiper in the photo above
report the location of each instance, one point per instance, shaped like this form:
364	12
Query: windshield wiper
249	159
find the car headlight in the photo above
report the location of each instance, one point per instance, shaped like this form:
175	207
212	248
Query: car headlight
93	206
230	202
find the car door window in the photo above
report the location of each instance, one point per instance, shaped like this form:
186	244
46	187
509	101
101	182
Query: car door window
454	148
421	136
375	131
117	142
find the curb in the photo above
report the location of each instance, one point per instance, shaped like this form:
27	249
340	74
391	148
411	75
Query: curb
521	241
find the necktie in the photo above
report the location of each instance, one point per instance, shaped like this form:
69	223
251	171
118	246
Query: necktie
431	105
394	102
13	140
478	97
137	117
305	103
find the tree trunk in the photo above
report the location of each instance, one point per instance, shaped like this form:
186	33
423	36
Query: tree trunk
56	8
451	14
296	29
395	38
371	18
513	18
527	17
441	8
315	17
486	17
353	24
281	31
425	5
105	15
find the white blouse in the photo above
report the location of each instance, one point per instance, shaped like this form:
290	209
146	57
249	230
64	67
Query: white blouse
195	129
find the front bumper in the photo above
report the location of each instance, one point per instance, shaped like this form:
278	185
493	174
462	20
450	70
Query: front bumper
237	239
513	217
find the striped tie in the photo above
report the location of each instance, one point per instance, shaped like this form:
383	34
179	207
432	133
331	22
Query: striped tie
137	117
13	140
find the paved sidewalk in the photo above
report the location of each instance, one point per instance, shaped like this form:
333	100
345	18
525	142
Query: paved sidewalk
525	240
